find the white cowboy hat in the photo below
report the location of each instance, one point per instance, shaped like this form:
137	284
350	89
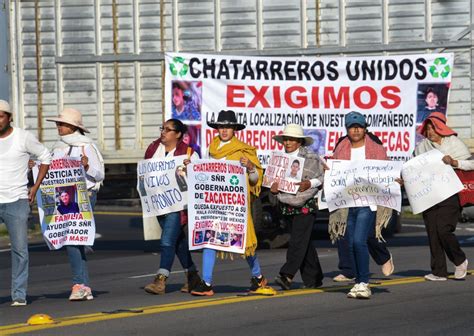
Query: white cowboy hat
72	117
294	131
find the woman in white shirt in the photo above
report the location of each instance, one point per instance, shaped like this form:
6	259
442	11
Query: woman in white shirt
74	143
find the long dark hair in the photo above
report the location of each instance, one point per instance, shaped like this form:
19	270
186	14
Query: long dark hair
179	127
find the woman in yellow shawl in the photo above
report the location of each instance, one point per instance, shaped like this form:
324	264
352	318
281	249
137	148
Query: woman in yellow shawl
226	146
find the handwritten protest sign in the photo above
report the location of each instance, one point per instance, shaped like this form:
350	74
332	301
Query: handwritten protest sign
285	169
217	205
428	180
162	185
350	184
63	205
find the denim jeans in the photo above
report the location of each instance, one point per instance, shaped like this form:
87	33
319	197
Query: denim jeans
360	224
77	255
173	241
209	260
377	249
15	217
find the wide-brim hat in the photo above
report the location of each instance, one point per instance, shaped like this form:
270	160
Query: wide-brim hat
438	120
5	107
226	118
294	131
72	117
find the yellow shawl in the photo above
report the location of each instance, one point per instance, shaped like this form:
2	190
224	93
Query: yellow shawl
235	150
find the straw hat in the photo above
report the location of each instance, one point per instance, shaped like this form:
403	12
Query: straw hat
294	131
72	117
227	118
5	107
438	120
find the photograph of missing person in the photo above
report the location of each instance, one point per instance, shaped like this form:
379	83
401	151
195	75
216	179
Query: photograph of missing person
319	137
66	200
431	98
198	237
236	240
186	100
209	236
193	138
180	175
295	170
222	238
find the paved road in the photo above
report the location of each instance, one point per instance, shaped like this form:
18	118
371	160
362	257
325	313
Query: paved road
401	304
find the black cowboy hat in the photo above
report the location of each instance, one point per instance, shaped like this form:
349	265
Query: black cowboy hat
226	118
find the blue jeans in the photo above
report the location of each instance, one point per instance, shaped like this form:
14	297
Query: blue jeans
173	241
360	224
77	254
209	260
377	249
15	217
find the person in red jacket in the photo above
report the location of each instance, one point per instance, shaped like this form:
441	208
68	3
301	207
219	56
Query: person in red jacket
173	238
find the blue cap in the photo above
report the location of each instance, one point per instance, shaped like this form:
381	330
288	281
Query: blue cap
355	118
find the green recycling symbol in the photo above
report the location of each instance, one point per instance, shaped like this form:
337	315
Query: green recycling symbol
440	67
234	180
178	67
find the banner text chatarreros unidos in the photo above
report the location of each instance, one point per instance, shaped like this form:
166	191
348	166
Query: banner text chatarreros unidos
268	93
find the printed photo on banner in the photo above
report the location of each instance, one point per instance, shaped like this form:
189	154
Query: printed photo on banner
162	185
316	93
64	206
66	200
432	97
349	184
193	138
319	137
285	169
217	211
186	100
428	180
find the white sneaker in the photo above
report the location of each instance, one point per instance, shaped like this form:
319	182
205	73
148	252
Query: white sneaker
353	292
89	293
461	270
432	277
363	291
18	303
78	293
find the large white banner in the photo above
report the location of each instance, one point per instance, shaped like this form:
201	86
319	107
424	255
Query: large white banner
217	215
350	184
428	180
284	169
394	92
63	205
162	185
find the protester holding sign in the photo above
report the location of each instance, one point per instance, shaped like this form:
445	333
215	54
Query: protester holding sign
356	224
173	238
75	144
16	146
226	146
441	219
300	210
